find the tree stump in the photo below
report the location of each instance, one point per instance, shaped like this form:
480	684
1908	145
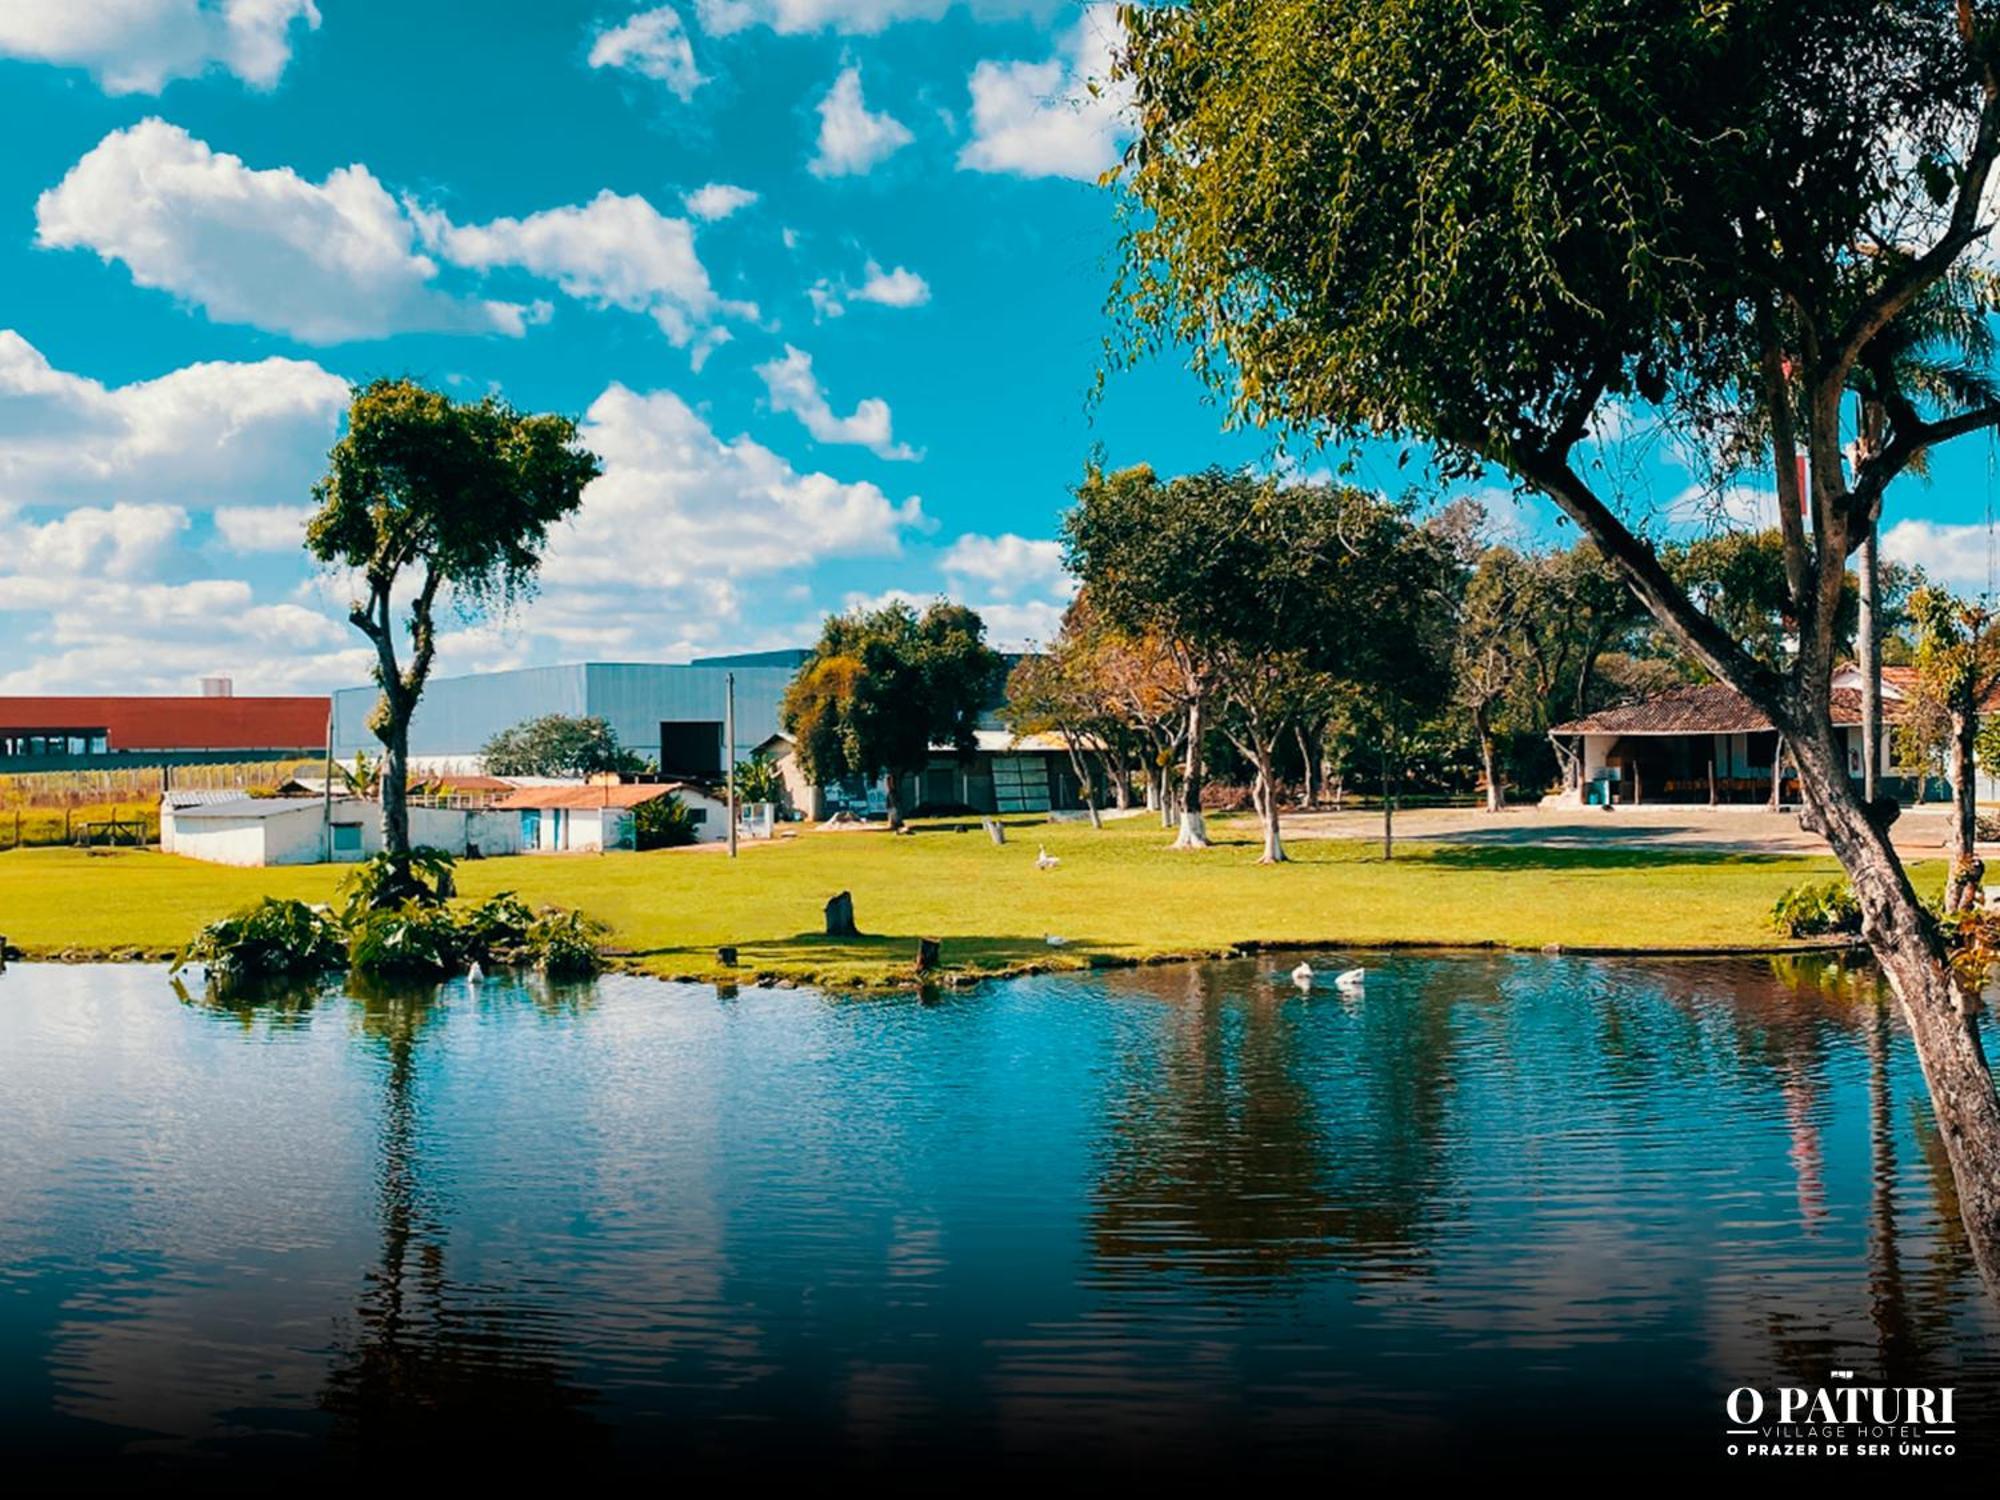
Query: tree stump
840	917
726	956
995	829
927	955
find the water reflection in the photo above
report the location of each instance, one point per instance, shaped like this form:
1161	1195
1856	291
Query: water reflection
1160	1217
1223	1156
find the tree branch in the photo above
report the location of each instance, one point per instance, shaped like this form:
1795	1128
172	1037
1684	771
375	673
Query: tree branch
1669	603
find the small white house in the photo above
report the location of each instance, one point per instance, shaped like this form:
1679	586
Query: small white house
254	831
599	815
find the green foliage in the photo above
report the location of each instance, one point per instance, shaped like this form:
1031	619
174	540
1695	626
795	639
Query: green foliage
882	686
1817	908
558	745
497	926
274	939
566	944
424	875
663	823
758	780
416	940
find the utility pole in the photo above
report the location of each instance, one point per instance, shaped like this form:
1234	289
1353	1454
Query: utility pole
729	750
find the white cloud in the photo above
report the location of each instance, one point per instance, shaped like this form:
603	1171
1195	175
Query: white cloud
138	46
200	435
1057	118
323	261
1009	564
614	251
718	200
263	528
1959	556
119	542
1014	626
848	17
661	556
795	389
852	138
653	44
901	287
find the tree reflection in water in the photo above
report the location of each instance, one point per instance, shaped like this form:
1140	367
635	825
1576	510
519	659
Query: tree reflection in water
428	1363
1785	1025
1219	1158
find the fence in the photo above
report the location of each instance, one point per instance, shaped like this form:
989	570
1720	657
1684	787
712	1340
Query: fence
121	822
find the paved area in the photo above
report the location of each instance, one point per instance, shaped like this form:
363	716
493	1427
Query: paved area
1919	833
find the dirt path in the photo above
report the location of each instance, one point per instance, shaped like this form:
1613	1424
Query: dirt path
1919	833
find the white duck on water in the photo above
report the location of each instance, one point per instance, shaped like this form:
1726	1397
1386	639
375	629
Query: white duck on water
1351	981
1302	976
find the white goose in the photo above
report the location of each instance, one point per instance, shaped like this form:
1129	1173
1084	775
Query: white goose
1351	981
1302	976
1043	859
474	974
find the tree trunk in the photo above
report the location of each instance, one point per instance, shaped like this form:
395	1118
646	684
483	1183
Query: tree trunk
1388	805
1489	759
1120	771
1966	874
1943	1021
1194	828
1308	766
892	804
1274	843
393	783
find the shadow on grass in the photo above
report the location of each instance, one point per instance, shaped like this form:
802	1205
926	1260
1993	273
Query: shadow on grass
1503	857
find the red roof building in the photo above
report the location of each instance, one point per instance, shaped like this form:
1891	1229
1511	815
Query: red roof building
69	733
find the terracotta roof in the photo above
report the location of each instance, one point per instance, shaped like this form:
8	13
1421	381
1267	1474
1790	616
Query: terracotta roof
1706	708
178	723
625	794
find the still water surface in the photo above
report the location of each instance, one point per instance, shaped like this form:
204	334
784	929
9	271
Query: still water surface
1498	1208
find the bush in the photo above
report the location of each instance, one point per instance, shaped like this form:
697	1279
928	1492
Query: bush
414	940
1817	908
564	944
381	881
663	823
497	927
272	940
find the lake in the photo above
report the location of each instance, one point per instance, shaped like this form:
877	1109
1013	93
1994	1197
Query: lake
1494	1211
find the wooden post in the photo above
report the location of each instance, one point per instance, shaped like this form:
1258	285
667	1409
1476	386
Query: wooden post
1711	781
840	916
927	955
1778	775
1638	784
995	829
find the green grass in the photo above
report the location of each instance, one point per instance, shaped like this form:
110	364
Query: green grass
1119	895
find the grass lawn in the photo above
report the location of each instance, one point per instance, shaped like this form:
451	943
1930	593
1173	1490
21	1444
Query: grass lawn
1118	895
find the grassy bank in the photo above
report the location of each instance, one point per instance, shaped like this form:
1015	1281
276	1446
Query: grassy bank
1118	895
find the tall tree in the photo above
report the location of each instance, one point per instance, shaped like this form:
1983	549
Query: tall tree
1481	225
1493	656
456	498
883	686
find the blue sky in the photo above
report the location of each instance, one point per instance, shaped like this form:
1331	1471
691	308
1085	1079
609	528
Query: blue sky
824	279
